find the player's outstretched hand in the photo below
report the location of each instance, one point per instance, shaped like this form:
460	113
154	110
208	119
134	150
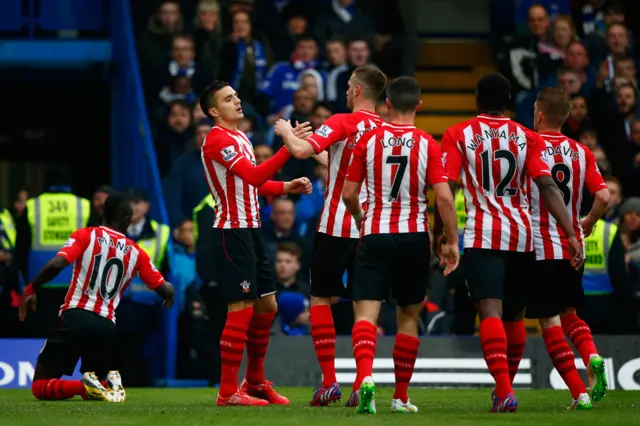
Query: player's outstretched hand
449	257
302	130
587	227
282	127
28	301
577	255
298	186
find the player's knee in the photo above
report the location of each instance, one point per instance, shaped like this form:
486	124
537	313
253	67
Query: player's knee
326	301
266	304
568	311
549	322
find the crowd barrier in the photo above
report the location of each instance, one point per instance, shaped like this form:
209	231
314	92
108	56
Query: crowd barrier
442	362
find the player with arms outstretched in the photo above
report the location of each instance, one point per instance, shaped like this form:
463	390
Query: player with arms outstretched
398	162
104	262
495	158
239	253
337	238
557	289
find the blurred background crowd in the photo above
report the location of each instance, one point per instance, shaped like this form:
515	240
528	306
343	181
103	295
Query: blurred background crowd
292	59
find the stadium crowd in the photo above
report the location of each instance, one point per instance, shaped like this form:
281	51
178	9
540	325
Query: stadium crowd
292	59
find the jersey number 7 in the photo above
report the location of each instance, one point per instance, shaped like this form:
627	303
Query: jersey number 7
401	161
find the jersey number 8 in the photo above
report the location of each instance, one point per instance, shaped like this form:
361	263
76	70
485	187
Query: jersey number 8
561	174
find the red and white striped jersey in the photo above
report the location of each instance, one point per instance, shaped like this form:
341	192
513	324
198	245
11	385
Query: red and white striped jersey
104	262
494	158
572	167
236	200
397	162
340	133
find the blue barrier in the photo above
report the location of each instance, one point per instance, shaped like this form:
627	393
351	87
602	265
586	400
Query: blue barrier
133	156
18	360
53	15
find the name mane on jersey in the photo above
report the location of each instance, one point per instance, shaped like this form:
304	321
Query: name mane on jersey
355	140
496	134
119	245
399	141
565	151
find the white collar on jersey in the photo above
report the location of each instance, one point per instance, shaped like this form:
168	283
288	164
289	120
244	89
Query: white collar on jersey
492	117
398	126
112	230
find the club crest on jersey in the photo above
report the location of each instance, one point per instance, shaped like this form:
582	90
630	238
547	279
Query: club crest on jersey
228	152
245	286
69	242
324	131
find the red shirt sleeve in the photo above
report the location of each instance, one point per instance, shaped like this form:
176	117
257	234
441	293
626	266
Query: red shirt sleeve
226	151
75	245
592	177
436	172
271	187
147	271
358	168
535	164
330	132
451	155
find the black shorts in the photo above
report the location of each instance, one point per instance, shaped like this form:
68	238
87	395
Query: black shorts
240	261
394	265
81	335
556	287
332	256
497	274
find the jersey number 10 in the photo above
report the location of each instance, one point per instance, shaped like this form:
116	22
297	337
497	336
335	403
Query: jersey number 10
108	288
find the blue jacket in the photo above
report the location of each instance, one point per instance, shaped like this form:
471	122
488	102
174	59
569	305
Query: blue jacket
185	187
309	206
282	82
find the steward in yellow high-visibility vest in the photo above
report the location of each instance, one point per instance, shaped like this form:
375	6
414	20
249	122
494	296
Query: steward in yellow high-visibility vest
203	215
8	231
608	292
152	237
53	216
461	214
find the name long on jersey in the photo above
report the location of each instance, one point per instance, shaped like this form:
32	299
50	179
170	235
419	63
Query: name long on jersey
339	135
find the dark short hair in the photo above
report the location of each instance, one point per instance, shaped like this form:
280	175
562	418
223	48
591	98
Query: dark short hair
208	95
337	39
323	104
355	39
493	93
305	37
104	189
555	105
372	79
404	94
117	207
290	248
179	102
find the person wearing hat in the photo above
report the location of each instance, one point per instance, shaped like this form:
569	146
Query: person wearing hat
139	313
52	217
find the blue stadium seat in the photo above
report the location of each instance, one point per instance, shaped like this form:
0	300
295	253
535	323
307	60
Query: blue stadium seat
87	15
11	15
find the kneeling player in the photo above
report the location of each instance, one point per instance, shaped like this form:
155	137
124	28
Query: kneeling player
398	161
558	285
105	261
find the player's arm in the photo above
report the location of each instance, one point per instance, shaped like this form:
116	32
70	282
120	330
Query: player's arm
439	179
328	134
355	176
154	280
598	188
228	154
276	188
72	250
452	162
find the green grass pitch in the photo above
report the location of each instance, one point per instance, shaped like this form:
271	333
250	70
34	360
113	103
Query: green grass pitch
190	407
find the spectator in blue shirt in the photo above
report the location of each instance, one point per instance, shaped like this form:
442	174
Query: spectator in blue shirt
282	80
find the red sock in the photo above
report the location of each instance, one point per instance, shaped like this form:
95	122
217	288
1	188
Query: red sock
363	337
516	340
257	342
56	389
323	334
494	350
405	352
232	342
580	335
562	358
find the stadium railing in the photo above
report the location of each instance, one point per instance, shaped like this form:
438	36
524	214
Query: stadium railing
133	156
